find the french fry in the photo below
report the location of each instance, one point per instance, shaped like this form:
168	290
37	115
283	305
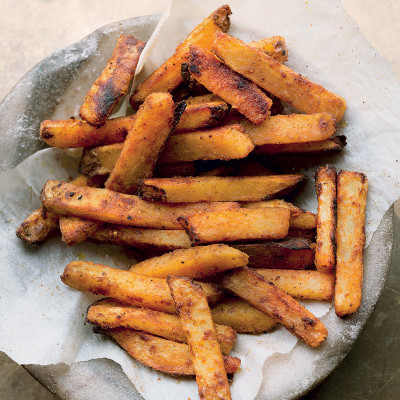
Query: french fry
149	131
277	78
195	316
333	145
160	239
201	112
352	188
113	82
234	225
236	90
291	128
251	168
38	226
160	354
195	262
118	208
111	314
266	297
311	285
178	169
325	183
222	143
168	76
242	316
133	289
299	219
100	160
207	188
274	46
222	170
291	253
75	230
77	133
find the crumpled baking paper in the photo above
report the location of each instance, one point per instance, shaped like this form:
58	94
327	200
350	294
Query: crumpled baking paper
43	321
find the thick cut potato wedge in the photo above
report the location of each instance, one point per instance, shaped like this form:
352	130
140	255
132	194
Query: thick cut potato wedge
113	82
291	128
160	354
132	289
291	253
222	170
299	219
168	76
207	188
159	239
196	262
201	112
333	145
178	169
302	233
352	188
276	78
242	316
117	208
274	46
236	90
222	143
325	252
234	225
149	131
100	160
76	133
251	168
38	227
195	315
111	314
311	285
266	297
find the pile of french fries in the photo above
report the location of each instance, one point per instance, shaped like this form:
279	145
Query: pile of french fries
222	252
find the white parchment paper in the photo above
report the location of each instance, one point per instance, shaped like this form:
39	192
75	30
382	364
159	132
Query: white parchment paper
43	320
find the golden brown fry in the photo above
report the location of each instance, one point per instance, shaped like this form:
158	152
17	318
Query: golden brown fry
168	76
118	208
311	285
75	230
100	160
334	144
274	46
217	188
162	239
325	183
291	253
195	262
352	188
236	90
76	133
266	297
251	168
222	143
234	225
201	112
160	354
242	316
195	316
149	131
222	170
38	227
133	289
178	169
277	78
291	128
113	82
111	314
299	219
